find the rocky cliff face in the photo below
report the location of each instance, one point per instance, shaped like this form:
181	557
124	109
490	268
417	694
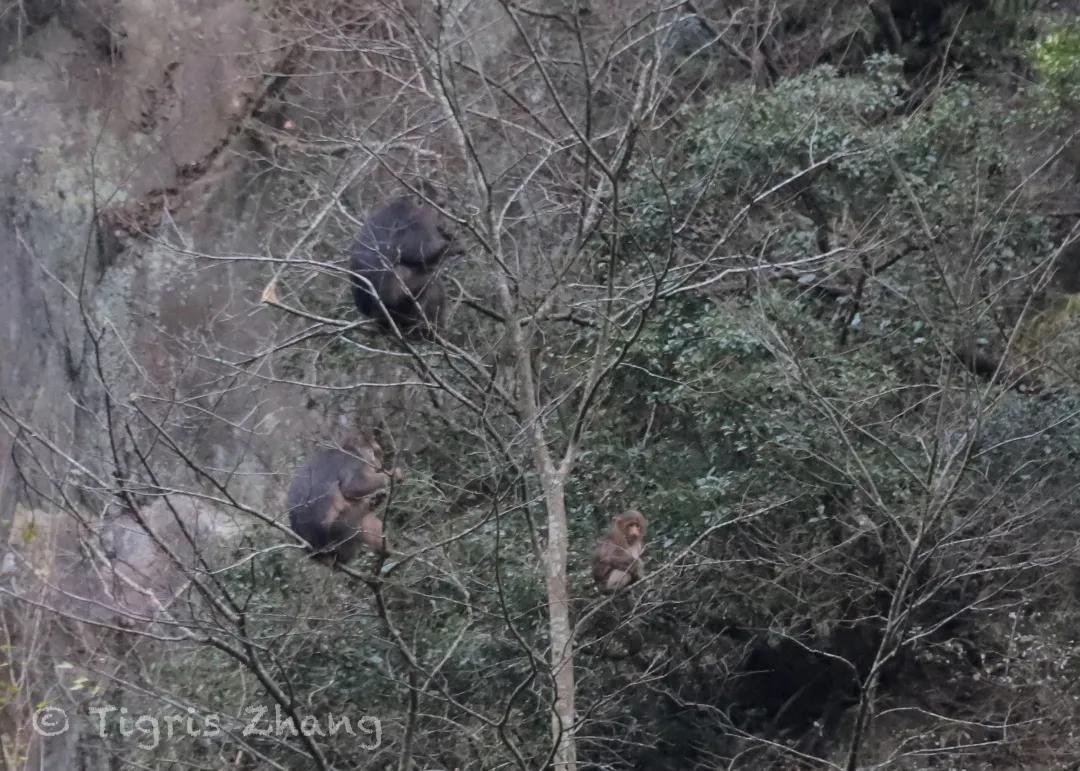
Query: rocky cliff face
118	120
124	114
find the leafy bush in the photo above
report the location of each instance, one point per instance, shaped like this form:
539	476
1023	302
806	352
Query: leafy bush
1056	61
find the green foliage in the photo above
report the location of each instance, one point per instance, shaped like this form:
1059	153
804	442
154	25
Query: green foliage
746	135
747	395
833	147
728	422
1055	58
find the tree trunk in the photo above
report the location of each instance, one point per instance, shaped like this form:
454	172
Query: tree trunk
562	643
552	480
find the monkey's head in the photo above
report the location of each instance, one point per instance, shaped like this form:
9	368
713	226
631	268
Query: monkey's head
370	453
632	525
366	449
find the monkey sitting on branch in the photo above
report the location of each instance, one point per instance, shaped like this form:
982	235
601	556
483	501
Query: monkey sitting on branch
617	562
330	501
394	261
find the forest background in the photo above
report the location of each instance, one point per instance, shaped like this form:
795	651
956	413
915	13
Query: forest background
798	279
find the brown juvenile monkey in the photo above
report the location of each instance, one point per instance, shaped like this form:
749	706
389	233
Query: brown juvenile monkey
330	500
618	554
398	251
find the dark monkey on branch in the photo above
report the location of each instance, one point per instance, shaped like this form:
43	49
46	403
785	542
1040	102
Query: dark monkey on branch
330	500
394	259
617	562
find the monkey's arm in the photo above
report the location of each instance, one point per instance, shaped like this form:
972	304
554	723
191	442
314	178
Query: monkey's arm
371	529
432	250
362	482
601	566
453	246
600	572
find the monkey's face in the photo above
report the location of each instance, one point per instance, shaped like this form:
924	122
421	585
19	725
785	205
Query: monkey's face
371	458
632	525
366	450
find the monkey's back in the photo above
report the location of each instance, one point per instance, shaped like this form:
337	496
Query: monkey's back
312	492
380	244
